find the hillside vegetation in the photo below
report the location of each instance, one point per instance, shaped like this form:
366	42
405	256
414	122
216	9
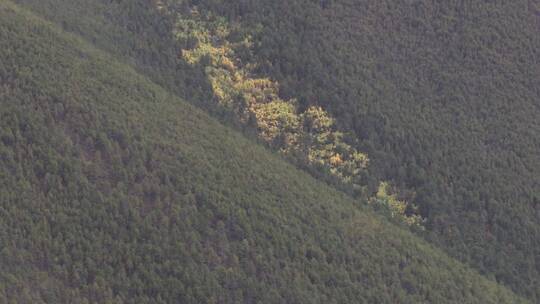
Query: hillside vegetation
441	97
114	190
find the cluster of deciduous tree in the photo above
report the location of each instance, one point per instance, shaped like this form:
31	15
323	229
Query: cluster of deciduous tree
309	134
256	100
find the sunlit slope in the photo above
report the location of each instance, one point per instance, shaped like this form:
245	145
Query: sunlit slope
112	190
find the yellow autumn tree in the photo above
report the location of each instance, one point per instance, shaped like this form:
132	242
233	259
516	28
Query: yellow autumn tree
396	208
279	122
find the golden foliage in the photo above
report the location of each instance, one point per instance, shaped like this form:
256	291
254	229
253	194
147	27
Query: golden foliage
276	119
397	208
279	122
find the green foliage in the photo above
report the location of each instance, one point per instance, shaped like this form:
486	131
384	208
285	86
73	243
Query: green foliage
442	96
309	136
113	190
395	207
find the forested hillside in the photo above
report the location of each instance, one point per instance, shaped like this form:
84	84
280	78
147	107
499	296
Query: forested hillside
442	98
114	190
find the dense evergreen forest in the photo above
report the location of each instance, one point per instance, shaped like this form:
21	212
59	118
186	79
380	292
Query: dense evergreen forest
444	98
114	189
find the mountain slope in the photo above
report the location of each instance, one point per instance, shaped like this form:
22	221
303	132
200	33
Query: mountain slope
442	97
113	190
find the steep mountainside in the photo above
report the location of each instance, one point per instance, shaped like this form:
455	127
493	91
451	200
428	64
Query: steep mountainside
443	98
113	190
